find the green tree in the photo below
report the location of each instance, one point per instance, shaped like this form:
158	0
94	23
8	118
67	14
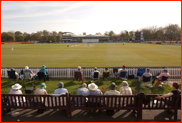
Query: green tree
18	36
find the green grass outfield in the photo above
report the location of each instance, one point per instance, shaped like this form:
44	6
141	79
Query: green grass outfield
102	55
72	86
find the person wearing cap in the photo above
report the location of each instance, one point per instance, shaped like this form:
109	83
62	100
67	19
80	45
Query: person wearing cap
61	89
81	91
95	70
41	91
43	70
111	91
93	91
164	73
29	71
16	90
123	69
79	70
125	89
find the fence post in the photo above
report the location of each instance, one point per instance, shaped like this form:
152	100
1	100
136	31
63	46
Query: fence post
68	76
6	72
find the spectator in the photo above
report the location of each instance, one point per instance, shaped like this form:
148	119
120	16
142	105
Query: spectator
16	90
30	71
125	89
165	74
111	91
17	75
41	91
61	89
43	69
93	91
123	69
146	74
79	70
175	91
106	71
81	91
95	70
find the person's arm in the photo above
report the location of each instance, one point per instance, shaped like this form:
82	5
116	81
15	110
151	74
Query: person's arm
160	76
164	96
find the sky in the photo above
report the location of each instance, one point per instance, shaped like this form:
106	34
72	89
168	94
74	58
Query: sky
87	16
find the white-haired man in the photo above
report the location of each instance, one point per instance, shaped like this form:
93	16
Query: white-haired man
29	71
81	91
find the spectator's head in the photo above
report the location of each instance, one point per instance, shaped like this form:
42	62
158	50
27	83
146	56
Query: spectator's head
112	86
12	69
43	67
26	67
95	68
175	85
124	66
125	83
84	85
16	86
92	86
42	86
165	70
106	69
60	84
79	68
148	70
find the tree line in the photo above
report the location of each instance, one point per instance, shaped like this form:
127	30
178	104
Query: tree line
168	33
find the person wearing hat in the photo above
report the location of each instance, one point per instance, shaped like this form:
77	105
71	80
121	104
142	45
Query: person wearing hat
123	69
93	91
61	89
41	91
111	91
43	70
164	73
33	75
95	70
15	89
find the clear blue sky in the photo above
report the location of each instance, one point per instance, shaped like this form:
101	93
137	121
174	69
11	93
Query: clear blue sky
87	16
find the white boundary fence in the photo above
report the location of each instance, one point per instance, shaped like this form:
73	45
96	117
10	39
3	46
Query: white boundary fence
175	72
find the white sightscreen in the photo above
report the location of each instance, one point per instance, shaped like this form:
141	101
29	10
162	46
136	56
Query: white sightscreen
90	40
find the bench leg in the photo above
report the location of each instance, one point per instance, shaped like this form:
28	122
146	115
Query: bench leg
139	114
175	114
68	113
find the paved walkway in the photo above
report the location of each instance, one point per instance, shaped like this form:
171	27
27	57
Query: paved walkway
84	116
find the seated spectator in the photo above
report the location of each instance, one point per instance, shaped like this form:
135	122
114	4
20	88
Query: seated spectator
16	90
123	69
106	71
21	74
33	75
125	89
93	91
81	91
165	74
111	91
43	69
146	74
17	75
95	70
79	70
41	91
61	89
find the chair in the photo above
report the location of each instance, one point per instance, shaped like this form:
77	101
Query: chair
123	75
28	90
106	75
140	72
41	75
164	80
77	76
96	76
11	75
147	79
27	76
115	71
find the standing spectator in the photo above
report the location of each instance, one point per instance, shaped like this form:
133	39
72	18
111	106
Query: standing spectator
81	91
123	69
111	91
43	69
61	89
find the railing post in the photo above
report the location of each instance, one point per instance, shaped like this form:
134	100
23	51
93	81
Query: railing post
68	103
68	75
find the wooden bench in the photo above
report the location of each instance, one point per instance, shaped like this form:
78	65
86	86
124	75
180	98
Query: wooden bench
70	102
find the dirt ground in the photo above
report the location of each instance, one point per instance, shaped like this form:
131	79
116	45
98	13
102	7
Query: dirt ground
21	115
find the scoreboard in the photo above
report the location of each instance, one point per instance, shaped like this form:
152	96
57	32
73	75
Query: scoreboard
138	36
